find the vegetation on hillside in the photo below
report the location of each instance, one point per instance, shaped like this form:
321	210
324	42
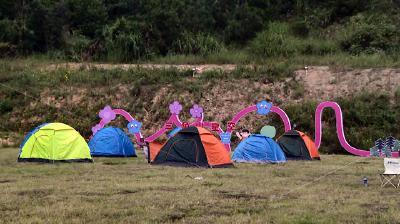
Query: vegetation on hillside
127	30
30	99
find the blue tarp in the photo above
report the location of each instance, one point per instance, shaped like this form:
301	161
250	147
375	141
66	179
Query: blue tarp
258	149
111	141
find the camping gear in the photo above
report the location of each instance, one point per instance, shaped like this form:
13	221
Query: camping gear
365	181
111	142
297	145
54	142
258	149
268	131
392	172
192	146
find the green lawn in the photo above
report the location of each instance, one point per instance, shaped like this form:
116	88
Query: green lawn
119	190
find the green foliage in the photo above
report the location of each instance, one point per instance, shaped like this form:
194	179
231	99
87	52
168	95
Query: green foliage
6	106
300	29
142	30
196	44
369	34
244	24
275	41
87	16
278	41
325	13
76	47
8	30
397	96
318	47
124	42
7	49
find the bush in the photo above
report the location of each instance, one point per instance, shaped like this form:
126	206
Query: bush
76	47
300	29
317	47
196	44
275	41
278	41
369	35
6	106
243	23
397	96
123	42
7	49
9	32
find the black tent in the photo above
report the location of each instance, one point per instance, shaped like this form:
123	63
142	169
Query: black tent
297	145
192	146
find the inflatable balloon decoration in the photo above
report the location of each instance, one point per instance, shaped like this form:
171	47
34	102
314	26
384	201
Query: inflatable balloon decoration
107	114
262	108
174	124
339	129
385	147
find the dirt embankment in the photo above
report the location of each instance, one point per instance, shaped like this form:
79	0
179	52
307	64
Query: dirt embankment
324	83
221	100
320	82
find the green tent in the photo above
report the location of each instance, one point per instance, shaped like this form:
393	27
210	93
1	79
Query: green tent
54	142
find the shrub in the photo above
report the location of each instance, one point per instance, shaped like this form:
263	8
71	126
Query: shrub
397	96
124	42
278	41
7	49
6	106
9	32
196	44
76	47
300	29
317	47
369	35
275	41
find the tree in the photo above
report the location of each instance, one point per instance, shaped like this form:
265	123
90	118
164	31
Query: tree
87	16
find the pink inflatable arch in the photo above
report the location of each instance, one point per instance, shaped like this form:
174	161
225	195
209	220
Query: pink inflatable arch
197	113
103	122
175	109
251	109
339	129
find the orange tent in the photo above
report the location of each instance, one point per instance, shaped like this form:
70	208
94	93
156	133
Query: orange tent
192	146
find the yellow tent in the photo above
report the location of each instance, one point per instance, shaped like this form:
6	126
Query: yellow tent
54	142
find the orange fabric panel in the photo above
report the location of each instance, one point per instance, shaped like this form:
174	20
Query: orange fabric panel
214	149
312	149
203	131
154	148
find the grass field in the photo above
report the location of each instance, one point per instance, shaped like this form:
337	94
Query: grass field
120	190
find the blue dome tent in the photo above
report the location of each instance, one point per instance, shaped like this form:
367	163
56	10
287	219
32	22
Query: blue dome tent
111	142
258	149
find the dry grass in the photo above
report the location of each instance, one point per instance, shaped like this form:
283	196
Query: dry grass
131	191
